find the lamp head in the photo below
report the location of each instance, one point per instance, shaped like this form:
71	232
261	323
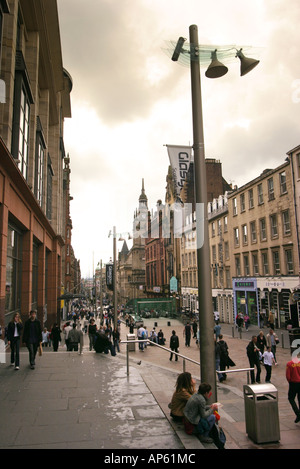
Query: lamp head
247	64
216	69
178	49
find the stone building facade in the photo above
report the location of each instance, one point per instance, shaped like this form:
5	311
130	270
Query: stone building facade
37	100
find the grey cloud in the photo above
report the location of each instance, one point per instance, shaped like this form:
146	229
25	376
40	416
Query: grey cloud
107	58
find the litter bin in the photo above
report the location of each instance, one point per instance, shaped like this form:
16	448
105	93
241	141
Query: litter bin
131	347
293	335
261	412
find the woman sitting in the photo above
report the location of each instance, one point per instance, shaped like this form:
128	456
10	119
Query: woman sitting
199	414
185	388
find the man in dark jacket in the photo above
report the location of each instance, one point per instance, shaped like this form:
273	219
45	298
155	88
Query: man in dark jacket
174	345
253	357
32	336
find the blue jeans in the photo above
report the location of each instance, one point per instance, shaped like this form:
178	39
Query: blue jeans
211	420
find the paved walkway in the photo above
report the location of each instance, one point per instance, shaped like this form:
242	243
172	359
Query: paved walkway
87	401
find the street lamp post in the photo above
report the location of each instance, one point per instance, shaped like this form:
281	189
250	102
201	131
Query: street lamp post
206	318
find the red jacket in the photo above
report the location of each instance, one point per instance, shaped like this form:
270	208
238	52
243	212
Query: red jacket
293	372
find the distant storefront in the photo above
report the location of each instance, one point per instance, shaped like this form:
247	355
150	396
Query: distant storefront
258	296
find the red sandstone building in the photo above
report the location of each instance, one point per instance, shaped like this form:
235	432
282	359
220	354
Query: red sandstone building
34	104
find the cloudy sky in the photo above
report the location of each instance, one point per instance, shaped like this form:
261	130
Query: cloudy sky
129	100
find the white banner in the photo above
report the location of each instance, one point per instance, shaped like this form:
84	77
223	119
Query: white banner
180	158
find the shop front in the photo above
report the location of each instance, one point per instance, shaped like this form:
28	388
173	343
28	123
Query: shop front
276	297
245	297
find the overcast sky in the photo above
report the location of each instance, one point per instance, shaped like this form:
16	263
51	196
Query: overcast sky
129	100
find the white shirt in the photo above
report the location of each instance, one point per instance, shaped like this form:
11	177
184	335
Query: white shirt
268	358
16	333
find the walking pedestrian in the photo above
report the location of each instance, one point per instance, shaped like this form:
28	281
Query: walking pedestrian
271	320
116	339
187	334
261	342
253	357
92	329
14	330
293	378
55	336
32	336
160	338
268	361
140	336
45	336
223	357
217	358
66	330
74	339
174	345
247	322
217	330
195	328
272	341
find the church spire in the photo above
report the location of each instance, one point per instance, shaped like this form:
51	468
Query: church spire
143	199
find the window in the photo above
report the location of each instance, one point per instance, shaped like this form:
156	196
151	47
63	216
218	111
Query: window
237	266
271	194
274	228
242	202
253	232
214	254
262	226
39	164
24	134
260	195
21	118
213	229
282	182
227	278
276	262
13	270
255	264
234	206
225	224
226	249
265	265
250	198
50	174
245	234
236	236
246	265
289	261
35	259
286	222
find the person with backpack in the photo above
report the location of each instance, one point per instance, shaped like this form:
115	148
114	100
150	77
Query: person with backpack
174	345
223	350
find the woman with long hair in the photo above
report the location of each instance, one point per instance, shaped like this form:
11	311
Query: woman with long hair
14	330
185	388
